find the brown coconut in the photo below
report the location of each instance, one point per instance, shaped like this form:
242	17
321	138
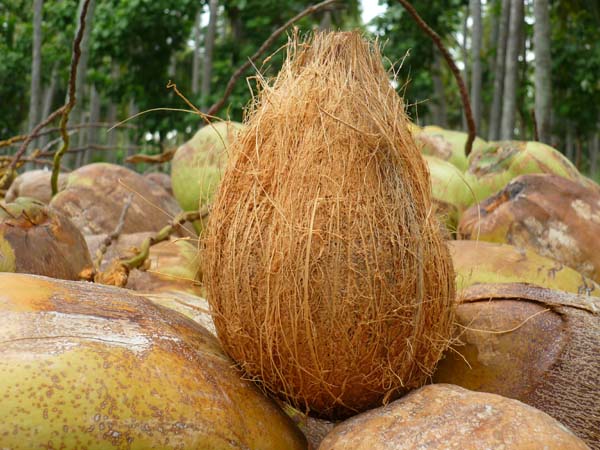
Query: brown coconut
95	195
548	214
162	179
84	366
324	266
35	184
442	416
40	241
532	344
173	264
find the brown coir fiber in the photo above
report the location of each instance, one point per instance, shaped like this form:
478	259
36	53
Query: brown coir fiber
326	273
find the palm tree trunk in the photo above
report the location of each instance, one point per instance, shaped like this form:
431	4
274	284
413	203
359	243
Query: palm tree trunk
496	109
543	67
509	104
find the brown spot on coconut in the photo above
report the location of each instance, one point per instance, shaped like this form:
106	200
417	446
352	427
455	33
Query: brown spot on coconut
37	240
325	270
479	262
198	164
96	193
447	145
497	163
553	216
162	179
172	264
35	184
536	345
443	416
88	366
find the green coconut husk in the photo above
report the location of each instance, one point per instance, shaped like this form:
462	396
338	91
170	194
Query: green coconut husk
325	270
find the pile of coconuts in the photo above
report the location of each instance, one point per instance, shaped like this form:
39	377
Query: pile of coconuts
336	295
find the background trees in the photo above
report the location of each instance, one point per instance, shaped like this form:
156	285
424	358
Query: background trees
544	60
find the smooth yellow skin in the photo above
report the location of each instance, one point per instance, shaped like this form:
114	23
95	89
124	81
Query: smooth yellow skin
90	367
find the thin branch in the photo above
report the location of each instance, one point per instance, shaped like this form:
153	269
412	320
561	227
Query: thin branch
112	237
263	48
163	157
71	99
455	71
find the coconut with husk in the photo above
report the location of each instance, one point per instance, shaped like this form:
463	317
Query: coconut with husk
452	191
172	264
198	164
443	416
325	270
480	262
551	215
34	184
88	366
35	239
96	194
532	344
447	145
497	163
162	179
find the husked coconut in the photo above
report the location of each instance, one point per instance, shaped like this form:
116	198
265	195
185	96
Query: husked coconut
326	272
442	416
532	344
553	216
94	367
34	184
162	179
41	241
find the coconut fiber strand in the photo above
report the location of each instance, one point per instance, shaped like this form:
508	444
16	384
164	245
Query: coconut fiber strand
326	273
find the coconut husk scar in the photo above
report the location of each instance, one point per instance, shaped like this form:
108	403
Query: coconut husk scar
326	272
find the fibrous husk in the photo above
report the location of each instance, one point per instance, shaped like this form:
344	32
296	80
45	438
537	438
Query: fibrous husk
497	163
173	264
96	194
37	240
198	164
447	145
34	184
442	416
324	266
451	190
532	344
479	262
162	179
553	216
88	366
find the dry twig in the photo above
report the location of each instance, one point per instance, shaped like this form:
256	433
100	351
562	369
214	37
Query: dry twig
461	84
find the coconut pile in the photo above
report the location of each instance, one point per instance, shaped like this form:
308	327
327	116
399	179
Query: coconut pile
360	283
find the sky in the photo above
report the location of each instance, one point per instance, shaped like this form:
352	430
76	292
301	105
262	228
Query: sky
370	9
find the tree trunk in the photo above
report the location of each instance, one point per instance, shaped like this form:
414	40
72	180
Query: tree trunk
496	109
48	101
132	138
543	67
465	57
325	24
476	74
36	67
438	106
594	149
94	118
111	138
197	46
209	43
509	104
569	141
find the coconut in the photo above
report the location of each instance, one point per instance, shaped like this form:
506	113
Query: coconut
34	239
553	216
532	344
171	265
325	269
96	194
497	163
477	262
162	179
443	416
452	191
447	145
88	366
198	164
34	184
